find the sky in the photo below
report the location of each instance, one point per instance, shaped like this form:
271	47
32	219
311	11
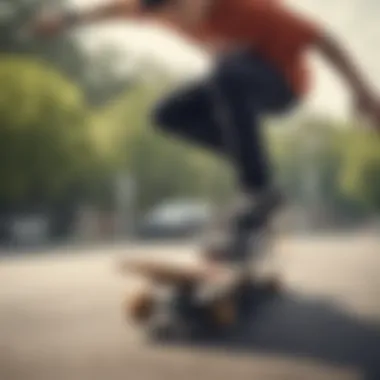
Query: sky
353	21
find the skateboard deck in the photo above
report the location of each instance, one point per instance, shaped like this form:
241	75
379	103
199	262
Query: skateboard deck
217	284
208	277
176	273
208	294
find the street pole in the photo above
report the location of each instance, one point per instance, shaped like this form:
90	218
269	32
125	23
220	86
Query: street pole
125	206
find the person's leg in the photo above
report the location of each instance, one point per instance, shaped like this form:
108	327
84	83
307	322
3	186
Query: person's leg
187	114
224	115
242	138
217	117
200	114
245	88
244	91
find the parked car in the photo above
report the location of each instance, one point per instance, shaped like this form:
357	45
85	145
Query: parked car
29	230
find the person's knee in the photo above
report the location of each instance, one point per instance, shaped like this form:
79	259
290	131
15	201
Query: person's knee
229	77
161	115
170	114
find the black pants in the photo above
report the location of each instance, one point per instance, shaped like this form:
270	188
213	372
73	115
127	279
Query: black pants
223	113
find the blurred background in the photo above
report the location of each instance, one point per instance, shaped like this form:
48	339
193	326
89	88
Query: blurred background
81	165
81	162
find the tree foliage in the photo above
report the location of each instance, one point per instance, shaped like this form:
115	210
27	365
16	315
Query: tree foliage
361	174
45	137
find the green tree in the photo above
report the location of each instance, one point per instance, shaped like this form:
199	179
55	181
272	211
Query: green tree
361	175
344	159
46	140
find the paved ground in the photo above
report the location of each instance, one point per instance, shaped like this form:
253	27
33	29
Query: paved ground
60	318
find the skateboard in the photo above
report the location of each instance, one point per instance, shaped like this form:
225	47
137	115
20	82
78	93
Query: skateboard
193	300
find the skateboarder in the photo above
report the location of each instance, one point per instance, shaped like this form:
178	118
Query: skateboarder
260	49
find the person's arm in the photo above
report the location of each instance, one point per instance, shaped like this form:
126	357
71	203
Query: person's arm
113	9
307	34
367	101
53	23
333	51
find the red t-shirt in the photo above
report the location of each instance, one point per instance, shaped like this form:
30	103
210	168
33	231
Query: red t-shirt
276	33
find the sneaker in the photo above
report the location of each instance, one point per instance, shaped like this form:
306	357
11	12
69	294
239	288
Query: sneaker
249	218
255	210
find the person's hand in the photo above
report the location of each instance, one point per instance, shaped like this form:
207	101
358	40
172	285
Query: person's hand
368	106
48	24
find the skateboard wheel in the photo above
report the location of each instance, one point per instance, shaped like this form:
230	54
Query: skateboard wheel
272	285
140	306
224	313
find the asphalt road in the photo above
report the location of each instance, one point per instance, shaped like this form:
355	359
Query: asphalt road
61	318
